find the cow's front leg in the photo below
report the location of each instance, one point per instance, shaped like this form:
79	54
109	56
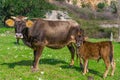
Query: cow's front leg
72	50
37	54
17	42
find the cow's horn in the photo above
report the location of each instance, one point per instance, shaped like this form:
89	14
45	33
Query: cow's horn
13	17
25	18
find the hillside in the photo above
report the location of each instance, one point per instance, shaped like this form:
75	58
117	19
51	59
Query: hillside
91	20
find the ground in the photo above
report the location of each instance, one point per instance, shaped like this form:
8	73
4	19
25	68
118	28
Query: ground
16	61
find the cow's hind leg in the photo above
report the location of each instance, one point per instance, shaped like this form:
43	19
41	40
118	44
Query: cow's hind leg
113	67
37	54
81	63
72	51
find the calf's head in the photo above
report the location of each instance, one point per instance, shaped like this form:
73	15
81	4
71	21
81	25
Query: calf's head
20	23
79	37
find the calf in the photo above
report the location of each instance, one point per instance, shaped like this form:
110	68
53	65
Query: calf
104	50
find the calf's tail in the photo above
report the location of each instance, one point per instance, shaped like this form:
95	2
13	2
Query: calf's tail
111	52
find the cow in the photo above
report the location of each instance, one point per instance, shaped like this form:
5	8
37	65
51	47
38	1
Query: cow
50	33
98	50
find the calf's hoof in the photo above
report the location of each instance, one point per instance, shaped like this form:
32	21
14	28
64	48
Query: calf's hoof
112	74
84	73
104	76
71	65
87	70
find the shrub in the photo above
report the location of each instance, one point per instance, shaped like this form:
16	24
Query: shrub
113	6
32	8
101	5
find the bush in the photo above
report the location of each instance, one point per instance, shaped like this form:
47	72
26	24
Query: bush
101	5
93	30
32	8
113	6
84	5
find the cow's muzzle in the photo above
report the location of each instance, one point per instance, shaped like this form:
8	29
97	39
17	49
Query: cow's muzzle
19	35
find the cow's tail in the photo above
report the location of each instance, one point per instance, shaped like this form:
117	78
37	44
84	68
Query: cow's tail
111	52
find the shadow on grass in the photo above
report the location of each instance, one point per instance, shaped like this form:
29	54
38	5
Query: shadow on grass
52	61
18	44
71	67
96	73
29	62
20	63
64	65
79	69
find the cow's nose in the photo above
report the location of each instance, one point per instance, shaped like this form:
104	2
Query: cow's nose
19	35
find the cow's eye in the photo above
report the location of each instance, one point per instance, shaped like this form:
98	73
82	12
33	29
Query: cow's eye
79	35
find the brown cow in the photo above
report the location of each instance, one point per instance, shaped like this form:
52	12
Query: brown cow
104	50
41	33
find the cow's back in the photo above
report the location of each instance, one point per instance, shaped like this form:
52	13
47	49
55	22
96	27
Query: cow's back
56	33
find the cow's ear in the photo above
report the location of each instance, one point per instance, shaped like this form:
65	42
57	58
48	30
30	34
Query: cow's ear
29	23
10	22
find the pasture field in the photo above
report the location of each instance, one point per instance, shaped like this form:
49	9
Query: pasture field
16	61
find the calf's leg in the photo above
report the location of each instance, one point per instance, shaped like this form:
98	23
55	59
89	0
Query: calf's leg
37	54
85	66
113	67
107	63
82	66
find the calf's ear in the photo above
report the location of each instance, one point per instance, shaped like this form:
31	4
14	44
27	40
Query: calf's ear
29	23
10	22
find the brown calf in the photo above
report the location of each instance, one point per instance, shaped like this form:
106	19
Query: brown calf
104	50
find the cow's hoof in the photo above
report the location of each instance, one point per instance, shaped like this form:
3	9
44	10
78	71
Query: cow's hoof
34	69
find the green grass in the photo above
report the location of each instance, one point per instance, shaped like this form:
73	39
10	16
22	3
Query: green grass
16	61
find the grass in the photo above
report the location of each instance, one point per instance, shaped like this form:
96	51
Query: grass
16	61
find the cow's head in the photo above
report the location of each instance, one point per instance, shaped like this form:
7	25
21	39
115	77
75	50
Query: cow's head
20	23
79	37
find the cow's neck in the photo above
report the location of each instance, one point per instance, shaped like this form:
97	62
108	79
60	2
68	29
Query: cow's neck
25	33
26	38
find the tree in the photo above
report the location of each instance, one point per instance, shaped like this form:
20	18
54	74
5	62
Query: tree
31	8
